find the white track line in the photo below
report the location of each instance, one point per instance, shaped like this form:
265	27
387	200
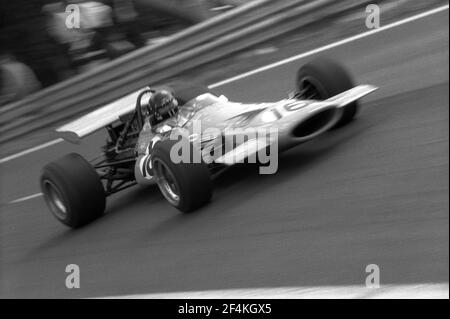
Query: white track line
329	46
22	199
262	69
30	150
410	291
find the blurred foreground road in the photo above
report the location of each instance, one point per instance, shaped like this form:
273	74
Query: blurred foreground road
375	192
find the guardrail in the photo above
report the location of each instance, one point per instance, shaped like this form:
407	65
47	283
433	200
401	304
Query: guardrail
233	31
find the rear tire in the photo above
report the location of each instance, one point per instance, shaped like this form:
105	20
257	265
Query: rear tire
73	190
329	78
186	186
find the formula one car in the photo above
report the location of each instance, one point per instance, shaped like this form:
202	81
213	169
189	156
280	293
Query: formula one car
142	151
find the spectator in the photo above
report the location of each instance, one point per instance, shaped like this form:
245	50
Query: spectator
16	80
23	32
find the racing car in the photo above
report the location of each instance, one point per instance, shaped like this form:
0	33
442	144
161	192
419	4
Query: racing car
140	142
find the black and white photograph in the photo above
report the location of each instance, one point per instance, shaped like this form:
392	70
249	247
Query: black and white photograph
225	155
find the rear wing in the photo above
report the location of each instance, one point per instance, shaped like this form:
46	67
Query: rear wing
74	131
98	119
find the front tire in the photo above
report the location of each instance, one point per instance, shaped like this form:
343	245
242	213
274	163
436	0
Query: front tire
323	78
186	186
73	190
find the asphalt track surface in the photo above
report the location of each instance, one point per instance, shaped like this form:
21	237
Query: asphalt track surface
375	192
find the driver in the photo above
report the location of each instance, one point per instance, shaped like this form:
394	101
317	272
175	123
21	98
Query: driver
162	110
163	106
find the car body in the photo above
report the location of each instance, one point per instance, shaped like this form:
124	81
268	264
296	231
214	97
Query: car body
137	153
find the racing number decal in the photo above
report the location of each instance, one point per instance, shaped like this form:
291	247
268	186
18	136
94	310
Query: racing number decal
294	106
146	161
146	166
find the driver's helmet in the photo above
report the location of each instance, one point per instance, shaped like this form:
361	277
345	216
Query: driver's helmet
163	105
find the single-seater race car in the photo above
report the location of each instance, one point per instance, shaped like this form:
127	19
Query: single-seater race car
140	148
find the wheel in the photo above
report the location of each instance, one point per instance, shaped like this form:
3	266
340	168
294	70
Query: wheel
73	190
323	78
186	186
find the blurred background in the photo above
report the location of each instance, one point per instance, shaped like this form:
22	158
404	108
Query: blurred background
375	192
55	67
39	50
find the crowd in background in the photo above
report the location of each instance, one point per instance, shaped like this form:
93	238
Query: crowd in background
38	49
